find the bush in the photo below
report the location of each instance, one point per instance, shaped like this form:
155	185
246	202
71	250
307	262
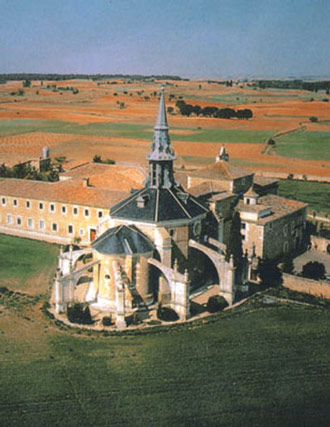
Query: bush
106	321
216	303
313	119
314	270
269	273
79	313
166	314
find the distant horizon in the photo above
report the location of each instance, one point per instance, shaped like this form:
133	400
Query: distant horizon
182	77
213	39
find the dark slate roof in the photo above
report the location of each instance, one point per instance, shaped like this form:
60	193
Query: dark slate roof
123	240
160	204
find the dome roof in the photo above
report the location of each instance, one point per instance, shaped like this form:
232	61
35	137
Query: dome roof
123	239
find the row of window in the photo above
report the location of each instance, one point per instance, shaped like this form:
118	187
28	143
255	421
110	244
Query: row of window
52	207
41	224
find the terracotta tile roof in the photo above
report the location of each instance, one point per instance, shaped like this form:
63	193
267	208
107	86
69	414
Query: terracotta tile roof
114	177
73	192
278	206
263	180
205	188
12	160
251	193
221	170
90	169
282	204
181	177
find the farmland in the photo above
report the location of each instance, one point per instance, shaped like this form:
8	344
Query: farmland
316	194
266	362
116	118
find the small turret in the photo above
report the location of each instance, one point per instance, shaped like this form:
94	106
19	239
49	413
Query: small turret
223	155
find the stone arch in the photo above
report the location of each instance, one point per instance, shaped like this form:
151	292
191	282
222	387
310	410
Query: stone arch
225	270
214	256
202	270
164	285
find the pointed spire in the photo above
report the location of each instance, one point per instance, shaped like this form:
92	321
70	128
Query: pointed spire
161	122
162	154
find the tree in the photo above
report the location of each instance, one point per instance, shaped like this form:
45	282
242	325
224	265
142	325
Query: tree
197	109
313	270
225	113
313	119
53	176
3	170
269	273
97	159
246	113
209	111
216	303
186	109
170	110
287	265
27	83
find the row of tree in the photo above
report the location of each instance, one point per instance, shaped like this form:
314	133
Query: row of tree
51	76
293	84
210	111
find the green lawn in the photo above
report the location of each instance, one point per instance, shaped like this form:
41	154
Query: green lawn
26	265
316	194
269	366
261	364
304	145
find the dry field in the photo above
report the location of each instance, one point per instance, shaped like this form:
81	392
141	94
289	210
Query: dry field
116	120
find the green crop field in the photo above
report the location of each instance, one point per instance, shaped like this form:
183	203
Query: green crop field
26	265
260	364
316	194
304	145
226	135
127	130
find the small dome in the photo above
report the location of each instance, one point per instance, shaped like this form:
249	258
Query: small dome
123	240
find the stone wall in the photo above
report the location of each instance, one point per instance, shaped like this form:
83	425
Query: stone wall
277	237
320	243
309	286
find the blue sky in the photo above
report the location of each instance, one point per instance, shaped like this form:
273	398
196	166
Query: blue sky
191	38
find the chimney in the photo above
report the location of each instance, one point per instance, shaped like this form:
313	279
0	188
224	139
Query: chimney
86	182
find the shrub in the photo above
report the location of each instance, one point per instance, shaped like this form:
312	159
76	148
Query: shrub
269	273
79	313
166	314
313	119
313	270
106	321
216	303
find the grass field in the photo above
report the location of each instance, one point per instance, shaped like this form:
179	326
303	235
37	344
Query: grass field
26	265
262	364
316	194
305	145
